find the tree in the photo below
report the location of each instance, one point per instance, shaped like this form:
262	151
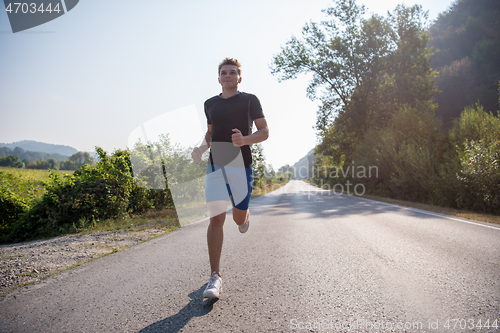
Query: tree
259	164
368	69
49	163
341	54
11	161
75	161
286	172
409	64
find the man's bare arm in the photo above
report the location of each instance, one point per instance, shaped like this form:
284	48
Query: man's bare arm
260	135
198	151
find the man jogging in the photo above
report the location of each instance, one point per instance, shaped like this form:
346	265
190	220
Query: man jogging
230	116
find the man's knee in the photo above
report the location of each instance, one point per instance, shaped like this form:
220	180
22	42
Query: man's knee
217	221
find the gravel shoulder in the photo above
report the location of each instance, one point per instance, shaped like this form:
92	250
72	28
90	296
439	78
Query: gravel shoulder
26	263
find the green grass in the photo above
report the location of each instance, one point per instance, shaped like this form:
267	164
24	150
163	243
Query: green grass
34	176
153	219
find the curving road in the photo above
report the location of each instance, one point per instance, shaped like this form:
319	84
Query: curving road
311	261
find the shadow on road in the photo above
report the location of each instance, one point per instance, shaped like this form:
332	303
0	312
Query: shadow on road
328	204
197	307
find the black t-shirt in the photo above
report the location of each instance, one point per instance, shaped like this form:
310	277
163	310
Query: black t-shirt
238	111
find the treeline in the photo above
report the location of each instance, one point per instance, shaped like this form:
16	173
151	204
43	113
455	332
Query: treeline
19	158
376	85
27	155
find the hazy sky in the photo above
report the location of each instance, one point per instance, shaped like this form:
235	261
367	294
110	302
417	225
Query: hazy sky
94	75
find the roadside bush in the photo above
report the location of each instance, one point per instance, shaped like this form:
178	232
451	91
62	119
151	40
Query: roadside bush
480	177
16	196
476	138
90	194
475	124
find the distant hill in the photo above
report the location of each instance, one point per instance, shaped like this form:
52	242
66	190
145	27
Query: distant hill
35	146
303	168
468	44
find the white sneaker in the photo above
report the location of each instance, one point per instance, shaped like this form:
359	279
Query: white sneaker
214	286
244	227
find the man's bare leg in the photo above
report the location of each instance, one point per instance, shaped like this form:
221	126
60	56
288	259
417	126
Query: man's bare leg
215	233
240	216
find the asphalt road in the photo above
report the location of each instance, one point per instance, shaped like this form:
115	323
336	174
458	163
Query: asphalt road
311	261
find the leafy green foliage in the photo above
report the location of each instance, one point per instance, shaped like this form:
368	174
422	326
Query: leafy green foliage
164	166
367	69
286	172
91	194
476	137
259	164
480	176
475	124
340	53
11	161
16	197
42	164
75	161
383	102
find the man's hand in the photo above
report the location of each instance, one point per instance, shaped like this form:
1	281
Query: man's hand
238	138
196	154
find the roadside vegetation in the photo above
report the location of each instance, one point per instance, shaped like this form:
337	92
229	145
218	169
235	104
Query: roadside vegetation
98	197
127	189
432	134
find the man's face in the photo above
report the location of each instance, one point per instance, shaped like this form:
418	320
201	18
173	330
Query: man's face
228	76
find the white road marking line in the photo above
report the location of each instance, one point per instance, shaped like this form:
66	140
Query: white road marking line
430	213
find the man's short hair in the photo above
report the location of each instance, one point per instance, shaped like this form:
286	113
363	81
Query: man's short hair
230	61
